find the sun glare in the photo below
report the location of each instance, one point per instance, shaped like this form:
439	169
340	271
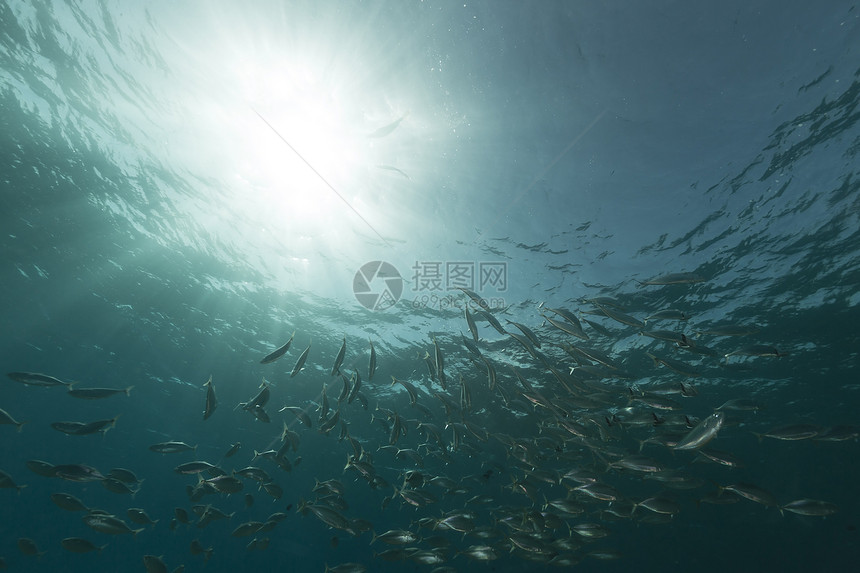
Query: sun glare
314	142
306	154
302	135
310	145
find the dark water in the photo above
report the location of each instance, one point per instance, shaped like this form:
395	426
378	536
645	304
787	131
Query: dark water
156	231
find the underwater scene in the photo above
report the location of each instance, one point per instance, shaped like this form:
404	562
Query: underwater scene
429	286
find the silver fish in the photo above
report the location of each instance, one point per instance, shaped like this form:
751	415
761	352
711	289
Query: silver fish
109	524
386	129
68	502
274	355
96	393
567	327
258	401
356	386
476	298
470	346
440	363
35	379
171	447
140	516
298	413
674	279
493	321
211	401
676	365
791	433
85	428
470	321
728	330
6	418
756	350
79	545
752	493
371	368
813	507
154	564
413	393
6	481
528	332
301	361
702	433
669	314
77	473
621	317
394	170
339	360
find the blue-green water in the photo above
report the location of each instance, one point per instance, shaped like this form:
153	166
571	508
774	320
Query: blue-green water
183	186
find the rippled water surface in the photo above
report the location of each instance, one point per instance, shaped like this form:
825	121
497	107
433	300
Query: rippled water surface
185	186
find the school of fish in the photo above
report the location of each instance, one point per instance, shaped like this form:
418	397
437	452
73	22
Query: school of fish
511	442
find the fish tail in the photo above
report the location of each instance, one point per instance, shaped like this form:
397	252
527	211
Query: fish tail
20	425
128	390
603	459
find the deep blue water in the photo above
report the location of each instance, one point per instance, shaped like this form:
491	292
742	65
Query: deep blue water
183	186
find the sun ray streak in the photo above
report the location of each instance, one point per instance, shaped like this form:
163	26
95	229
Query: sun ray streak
323	179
